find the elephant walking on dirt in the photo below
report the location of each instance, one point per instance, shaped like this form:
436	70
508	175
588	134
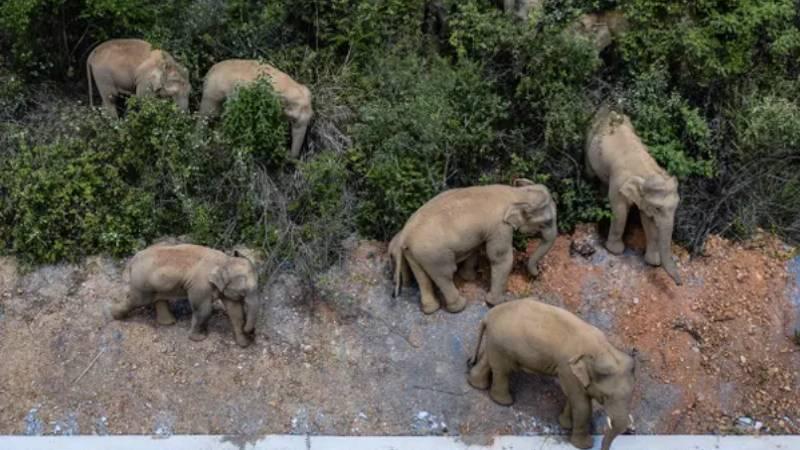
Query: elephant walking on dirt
225	76
616	155
165	272
538	338
133	66
452	227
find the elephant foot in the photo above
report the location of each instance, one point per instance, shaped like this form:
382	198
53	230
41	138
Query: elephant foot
615	247
457	306
533	270
243	341
565	420
430	307
478	382
501	398
198	336
118	312
582	440
652	258
165	319
494	300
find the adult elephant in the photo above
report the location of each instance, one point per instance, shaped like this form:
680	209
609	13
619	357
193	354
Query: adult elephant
539	338
453	226
133	66
616	155
225	76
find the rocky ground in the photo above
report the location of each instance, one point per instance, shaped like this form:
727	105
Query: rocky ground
716	355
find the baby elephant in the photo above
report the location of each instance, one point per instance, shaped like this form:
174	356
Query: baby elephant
538	338
453	226
166	272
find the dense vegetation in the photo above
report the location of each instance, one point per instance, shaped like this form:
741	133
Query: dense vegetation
411	97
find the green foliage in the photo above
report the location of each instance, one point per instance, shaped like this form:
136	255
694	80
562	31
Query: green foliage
425	125
253	123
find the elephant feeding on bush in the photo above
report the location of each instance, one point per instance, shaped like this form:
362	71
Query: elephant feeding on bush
225	76
538	338
133	66
451	228
616	155
165	272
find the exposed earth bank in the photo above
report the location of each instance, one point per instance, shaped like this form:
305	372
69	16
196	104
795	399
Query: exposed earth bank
716	355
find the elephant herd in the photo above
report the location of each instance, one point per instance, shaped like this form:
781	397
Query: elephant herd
447	235
444	237
134	67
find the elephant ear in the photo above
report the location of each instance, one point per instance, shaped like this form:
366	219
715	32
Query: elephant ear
580	368
218	278
519	182
632	189
517	214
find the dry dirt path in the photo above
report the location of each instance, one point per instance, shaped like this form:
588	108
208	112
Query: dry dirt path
715	355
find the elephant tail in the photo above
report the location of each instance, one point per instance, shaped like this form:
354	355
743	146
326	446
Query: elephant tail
399	260
474	360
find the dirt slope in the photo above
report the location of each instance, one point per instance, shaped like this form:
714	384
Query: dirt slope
714	355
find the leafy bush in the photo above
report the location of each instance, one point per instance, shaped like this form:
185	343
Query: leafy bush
253	123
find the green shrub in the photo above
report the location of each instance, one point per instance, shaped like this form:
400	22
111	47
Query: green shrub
253	122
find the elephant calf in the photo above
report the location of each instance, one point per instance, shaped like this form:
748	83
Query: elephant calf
616	155
225	76
453	226
132	66
538	338
166	272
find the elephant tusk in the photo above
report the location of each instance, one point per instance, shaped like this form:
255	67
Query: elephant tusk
608	421
632	426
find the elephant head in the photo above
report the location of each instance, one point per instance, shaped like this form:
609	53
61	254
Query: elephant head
167	79
536	213
237	279
657	198
608	378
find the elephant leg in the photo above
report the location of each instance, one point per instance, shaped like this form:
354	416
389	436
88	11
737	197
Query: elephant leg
427	295
201	311
581	408
133	299
467	269
235	312
163	314
210	107
619	209
108	91
480	373
501	258
501	369
651	255
565	419
442	275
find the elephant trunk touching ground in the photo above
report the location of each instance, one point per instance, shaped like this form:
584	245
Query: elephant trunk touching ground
251	303
665	251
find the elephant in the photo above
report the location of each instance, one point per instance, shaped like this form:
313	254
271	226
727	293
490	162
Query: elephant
133	66
521	8
225	76
601	28
616	156
164	272
535	337
453	226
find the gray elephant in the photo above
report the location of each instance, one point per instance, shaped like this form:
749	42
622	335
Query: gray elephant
225	76
616	155
453	226
538	338
133	66
164	272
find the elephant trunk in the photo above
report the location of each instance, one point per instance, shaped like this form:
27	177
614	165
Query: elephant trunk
298	135
183	102
665	251
618	423
251	302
